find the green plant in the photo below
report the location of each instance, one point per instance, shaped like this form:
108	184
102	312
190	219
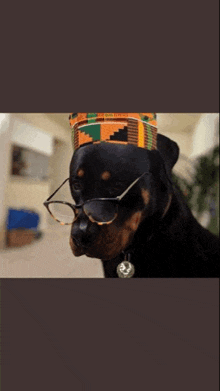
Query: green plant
202	190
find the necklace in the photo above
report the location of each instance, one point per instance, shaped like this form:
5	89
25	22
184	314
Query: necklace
126	269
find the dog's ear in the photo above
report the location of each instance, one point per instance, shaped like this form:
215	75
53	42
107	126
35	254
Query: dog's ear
168	149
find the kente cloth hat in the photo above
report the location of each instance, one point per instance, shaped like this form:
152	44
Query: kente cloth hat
139	129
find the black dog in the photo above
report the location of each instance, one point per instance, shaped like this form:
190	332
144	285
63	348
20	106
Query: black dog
154	224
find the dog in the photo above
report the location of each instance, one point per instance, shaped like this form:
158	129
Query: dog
153	228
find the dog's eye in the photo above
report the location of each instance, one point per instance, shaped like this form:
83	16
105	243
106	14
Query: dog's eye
116	189
77	186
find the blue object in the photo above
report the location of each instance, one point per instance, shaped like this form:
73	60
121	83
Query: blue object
22	218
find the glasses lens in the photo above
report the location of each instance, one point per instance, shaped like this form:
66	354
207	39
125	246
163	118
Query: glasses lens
101	211
62	212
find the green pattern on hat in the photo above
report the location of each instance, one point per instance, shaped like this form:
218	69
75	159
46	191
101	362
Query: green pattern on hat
91	118
94	131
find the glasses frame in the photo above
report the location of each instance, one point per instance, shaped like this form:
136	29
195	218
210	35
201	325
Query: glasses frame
74	207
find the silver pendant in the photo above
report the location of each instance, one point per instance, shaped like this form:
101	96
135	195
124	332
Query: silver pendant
125	269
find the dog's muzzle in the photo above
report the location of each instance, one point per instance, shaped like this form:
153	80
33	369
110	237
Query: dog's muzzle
84	232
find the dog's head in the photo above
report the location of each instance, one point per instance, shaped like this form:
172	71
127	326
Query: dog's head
106	170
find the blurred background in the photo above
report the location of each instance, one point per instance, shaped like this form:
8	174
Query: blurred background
35	153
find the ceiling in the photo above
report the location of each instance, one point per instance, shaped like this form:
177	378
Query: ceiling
166	122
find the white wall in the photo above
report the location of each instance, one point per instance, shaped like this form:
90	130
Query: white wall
193	138
41	121
5	144
205	134
28	136
184	141
33	131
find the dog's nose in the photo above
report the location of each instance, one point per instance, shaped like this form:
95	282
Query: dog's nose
83	232
79	232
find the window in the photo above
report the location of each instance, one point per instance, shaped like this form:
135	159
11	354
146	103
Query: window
29	163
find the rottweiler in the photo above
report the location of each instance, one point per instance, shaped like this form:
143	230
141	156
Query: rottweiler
129	210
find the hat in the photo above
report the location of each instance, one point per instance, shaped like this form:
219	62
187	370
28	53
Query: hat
139	129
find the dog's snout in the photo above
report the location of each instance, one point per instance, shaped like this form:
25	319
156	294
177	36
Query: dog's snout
83	232
79	232
83	226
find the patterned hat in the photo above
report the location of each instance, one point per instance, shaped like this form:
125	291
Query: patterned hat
139	129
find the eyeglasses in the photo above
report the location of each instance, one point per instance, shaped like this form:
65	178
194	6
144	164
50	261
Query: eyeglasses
99	210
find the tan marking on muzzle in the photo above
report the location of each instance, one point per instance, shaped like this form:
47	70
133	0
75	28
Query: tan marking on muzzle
134	221
105	175
145	195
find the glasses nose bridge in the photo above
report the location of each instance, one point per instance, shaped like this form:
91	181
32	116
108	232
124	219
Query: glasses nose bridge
80	213
80	226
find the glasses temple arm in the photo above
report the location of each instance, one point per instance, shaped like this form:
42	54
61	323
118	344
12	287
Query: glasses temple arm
126	191
57	189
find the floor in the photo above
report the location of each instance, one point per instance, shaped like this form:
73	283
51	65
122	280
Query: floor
49	256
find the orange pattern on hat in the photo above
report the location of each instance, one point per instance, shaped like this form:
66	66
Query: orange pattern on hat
108	129
84	138
138	129
141	134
